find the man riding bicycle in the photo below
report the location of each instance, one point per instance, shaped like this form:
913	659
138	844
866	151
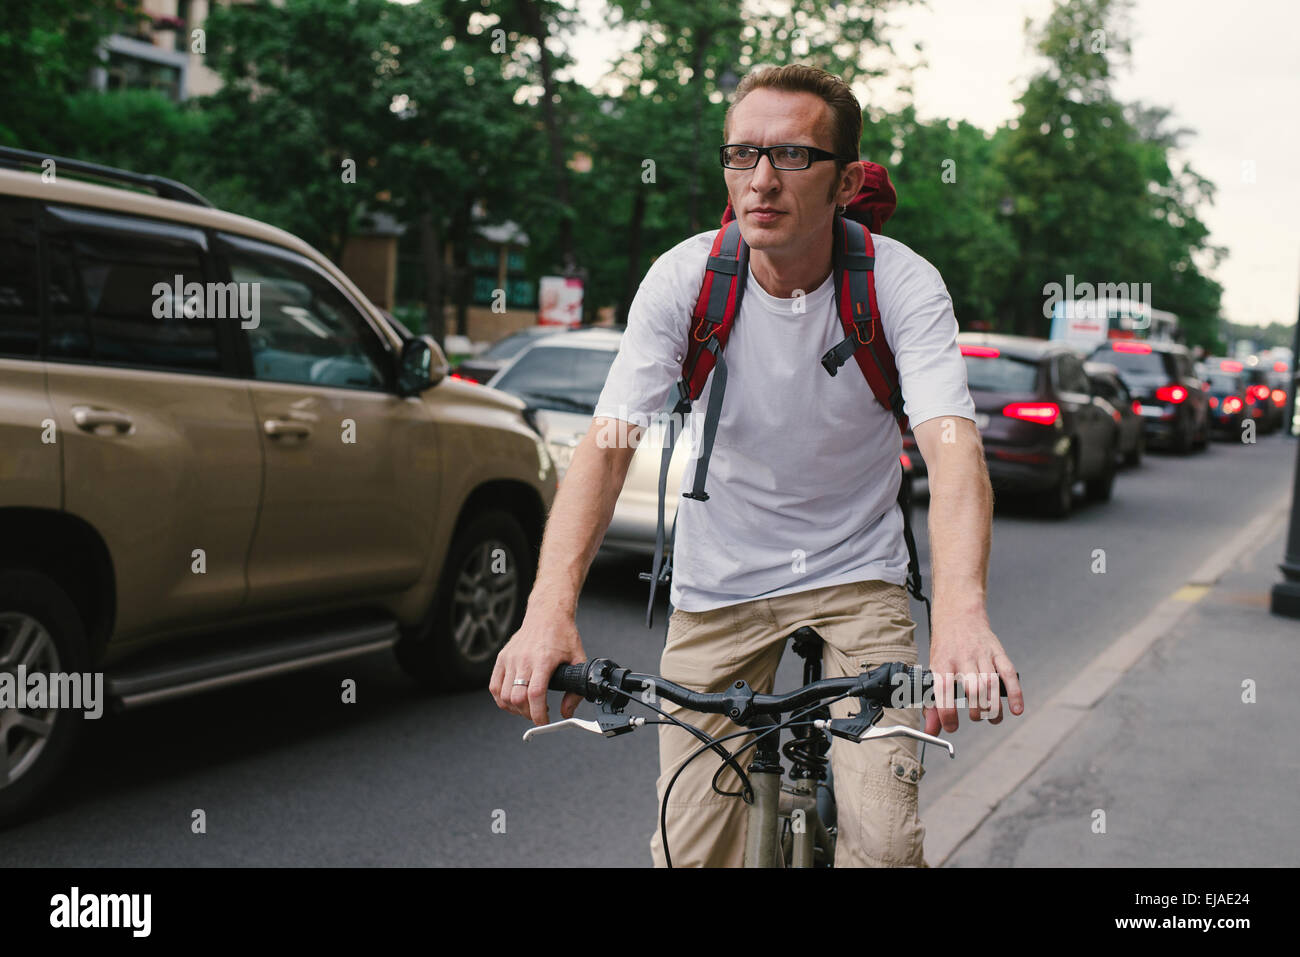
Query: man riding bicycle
800	526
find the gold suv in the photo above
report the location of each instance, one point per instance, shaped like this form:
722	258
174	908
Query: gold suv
219	461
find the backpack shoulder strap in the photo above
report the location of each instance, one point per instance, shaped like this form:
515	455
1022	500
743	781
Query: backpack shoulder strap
725	275
854	258
715	310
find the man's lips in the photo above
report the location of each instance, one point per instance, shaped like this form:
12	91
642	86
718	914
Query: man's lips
765	215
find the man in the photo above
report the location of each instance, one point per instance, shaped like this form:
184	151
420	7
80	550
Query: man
801	526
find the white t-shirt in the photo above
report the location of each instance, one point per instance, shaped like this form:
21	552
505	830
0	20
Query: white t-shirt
803	479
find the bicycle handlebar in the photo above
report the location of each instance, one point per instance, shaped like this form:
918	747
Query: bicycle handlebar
893	685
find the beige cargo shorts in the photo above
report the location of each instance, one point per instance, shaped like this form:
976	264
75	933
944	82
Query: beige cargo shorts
864	624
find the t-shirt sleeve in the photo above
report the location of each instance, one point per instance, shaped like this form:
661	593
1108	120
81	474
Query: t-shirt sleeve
921	329
650	355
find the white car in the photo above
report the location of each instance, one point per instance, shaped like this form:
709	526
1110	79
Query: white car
560	377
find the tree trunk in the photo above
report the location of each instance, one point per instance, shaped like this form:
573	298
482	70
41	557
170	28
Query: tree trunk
532	16
633	252
431	256
462	280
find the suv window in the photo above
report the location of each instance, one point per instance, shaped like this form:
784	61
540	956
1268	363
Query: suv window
1001	374
1070	375
105	292
307	331
1144	363
20	313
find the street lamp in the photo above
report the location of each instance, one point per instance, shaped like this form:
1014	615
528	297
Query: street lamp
1286	593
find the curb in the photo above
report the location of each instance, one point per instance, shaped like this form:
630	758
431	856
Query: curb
960	810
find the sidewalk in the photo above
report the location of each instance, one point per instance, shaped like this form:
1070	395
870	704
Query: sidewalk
1184	771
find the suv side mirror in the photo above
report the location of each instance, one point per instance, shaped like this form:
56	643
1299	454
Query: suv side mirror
422	365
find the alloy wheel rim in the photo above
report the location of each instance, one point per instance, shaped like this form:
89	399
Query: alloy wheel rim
24	732
484	601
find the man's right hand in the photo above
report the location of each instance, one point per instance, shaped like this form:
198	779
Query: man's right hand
534	652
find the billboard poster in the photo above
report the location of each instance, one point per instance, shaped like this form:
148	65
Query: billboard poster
559	301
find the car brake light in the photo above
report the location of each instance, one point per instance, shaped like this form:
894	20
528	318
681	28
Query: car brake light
1279	366
1261	391
986	352
1230	365
1231	404
1121	346
907	463
465	378
1043	413
1137	407
1279	397
1171	393
1214	403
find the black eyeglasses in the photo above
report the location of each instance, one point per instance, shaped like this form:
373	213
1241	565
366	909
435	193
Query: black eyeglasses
782	156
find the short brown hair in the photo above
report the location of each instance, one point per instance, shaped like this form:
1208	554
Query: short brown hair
846	112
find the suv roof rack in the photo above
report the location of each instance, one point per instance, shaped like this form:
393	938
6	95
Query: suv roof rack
163	187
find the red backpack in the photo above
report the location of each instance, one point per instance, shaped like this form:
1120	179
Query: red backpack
726	272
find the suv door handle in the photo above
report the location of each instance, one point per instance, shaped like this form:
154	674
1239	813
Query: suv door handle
90	419
276	428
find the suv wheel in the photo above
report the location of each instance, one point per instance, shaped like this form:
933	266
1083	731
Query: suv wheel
1099	489
41	630
480	604
1134	455
1058	501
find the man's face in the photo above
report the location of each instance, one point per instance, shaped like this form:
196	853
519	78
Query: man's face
779	210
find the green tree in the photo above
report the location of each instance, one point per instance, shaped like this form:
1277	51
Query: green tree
1092	191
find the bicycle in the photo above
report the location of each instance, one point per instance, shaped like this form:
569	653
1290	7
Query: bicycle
789	825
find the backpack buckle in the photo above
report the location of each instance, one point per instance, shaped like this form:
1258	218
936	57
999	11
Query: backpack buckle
840	354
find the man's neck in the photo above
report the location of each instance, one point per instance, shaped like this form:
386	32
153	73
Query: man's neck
783	273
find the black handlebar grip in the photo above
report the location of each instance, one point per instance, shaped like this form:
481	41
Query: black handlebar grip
569	678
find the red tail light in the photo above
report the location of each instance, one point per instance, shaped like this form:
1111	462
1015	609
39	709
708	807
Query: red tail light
465	378
1279	397
986	352
1230	365
1044	413
1279	366
1137	407
1214	403
1259	391
1231	404
1171	393
1121	346
907	463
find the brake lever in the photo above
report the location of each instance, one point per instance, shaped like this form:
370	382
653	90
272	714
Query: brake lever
859	728
902	731
604	728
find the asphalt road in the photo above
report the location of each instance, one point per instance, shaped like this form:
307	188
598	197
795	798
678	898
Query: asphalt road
285	773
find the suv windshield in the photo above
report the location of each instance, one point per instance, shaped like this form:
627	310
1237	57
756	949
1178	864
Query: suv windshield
1001	374
560	378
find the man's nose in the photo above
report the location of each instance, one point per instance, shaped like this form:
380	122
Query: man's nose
765	178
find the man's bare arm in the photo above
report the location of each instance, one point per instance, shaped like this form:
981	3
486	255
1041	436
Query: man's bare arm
961	514
581	513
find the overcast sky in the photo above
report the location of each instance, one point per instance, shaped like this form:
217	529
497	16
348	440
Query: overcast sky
1229	71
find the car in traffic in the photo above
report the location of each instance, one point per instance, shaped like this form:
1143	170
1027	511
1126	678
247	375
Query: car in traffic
497	356
1225	389
1171	399
1266	403
1043	427
221	463
1109	387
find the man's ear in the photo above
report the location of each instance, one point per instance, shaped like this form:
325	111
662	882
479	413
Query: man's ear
851	180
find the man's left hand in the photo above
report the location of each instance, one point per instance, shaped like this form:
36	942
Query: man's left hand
966	646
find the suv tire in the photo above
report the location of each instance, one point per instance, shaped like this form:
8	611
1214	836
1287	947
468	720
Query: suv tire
479	605
39	625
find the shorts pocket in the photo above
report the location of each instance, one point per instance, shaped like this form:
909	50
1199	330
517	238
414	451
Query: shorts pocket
891	825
